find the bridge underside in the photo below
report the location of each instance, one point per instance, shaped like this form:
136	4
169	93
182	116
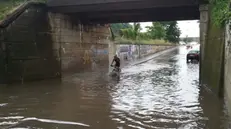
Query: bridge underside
112	11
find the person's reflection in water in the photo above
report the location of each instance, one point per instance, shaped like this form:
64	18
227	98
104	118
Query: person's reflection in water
115	79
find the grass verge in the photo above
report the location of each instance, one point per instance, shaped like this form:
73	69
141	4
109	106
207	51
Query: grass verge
8	6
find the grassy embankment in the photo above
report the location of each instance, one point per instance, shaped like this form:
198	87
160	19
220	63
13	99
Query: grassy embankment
8	6
143	42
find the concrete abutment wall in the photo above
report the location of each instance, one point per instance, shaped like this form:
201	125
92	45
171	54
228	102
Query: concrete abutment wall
215	70
81	47
212	52
40	45
27	47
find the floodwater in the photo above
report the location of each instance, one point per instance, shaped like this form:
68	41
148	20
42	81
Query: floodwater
162	93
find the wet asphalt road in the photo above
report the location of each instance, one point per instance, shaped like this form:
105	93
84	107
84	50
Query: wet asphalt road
162	93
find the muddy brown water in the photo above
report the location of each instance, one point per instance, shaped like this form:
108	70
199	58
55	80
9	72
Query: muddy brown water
162	93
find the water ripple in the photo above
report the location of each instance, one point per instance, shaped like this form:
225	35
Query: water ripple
163	93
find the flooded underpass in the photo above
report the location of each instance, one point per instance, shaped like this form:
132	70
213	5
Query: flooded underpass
162	93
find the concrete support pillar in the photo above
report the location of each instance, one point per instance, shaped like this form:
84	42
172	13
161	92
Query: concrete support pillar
204	21
139	51
111	52
228	66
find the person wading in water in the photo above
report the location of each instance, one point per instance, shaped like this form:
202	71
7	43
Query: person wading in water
117	63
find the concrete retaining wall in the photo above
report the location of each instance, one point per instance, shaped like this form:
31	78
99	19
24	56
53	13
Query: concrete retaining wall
40	45
212	50
131	53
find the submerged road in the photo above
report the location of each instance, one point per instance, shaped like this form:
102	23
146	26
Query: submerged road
162	93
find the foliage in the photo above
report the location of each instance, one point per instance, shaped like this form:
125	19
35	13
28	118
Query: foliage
131	33
6	6
167	31
128	33
172	31
118	26
220	11
156	31
144	36
136	30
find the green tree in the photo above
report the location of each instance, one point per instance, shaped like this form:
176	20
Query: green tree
156	31
172	31
221	12
136	29
159	30
118	26
131	33
144	36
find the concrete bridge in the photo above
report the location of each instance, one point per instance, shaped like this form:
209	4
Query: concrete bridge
108	11
41	41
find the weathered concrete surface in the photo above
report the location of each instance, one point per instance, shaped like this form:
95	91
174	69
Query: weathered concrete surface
228	66
204	16
28	47
40	45
215	71
82	47
212	50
